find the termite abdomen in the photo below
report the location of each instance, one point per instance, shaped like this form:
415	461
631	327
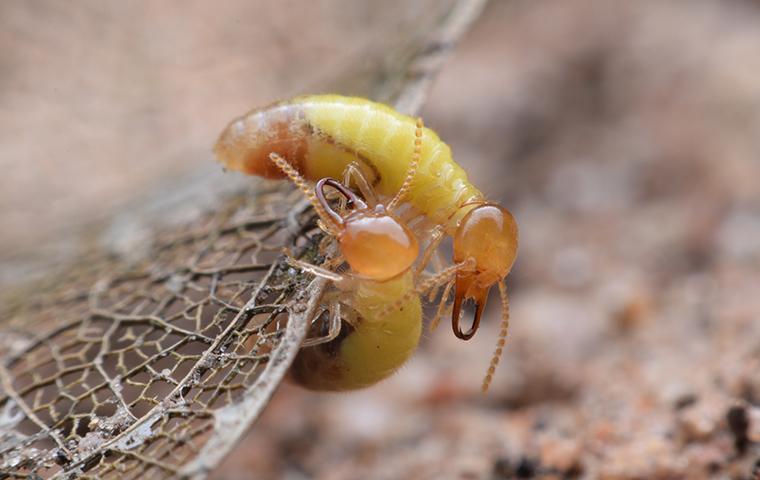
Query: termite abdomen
369	348
247	142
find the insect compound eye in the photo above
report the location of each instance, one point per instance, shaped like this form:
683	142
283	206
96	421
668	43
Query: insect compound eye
378	245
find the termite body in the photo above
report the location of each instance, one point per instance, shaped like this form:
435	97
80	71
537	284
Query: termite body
365	341
369	348
323	135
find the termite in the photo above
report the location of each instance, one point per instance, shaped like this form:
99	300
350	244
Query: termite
322	136
365	342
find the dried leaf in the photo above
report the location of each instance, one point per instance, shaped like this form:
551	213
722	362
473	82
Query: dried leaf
153	363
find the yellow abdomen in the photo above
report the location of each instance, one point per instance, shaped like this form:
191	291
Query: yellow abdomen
372	349
384	139
321	134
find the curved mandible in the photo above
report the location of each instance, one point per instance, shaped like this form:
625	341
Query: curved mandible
456	314
353	200
468	334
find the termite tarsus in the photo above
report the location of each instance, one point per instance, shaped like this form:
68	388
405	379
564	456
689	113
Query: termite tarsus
321	135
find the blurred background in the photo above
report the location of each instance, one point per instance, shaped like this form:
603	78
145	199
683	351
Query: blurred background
625	137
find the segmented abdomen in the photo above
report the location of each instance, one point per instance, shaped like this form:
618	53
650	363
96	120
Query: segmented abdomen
246	143
371	349
321	134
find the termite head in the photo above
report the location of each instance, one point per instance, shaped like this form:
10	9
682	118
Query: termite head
486	244
375	242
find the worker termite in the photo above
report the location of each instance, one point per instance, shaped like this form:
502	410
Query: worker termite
364	343
322	136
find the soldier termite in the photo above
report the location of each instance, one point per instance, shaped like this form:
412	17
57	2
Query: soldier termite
321	136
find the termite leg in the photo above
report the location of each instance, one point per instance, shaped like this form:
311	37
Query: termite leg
438	267
437	262
436	236
431	251
340	281
447	275
441	307
333	328
353	172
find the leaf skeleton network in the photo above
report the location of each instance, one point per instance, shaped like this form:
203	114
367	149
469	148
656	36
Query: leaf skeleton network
399	196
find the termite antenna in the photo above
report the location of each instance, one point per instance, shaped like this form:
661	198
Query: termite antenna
295	177
412	166
447	275
502	337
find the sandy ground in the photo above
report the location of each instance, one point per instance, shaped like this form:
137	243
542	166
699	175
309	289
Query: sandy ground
624	137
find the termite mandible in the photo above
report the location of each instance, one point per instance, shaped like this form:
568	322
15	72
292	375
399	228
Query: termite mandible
321	136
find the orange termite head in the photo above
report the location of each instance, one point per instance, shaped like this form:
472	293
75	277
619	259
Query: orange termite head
375	242
487	238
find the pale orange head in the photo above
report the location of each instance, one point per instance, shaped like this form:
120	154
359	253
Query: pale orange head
487	237
375	242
